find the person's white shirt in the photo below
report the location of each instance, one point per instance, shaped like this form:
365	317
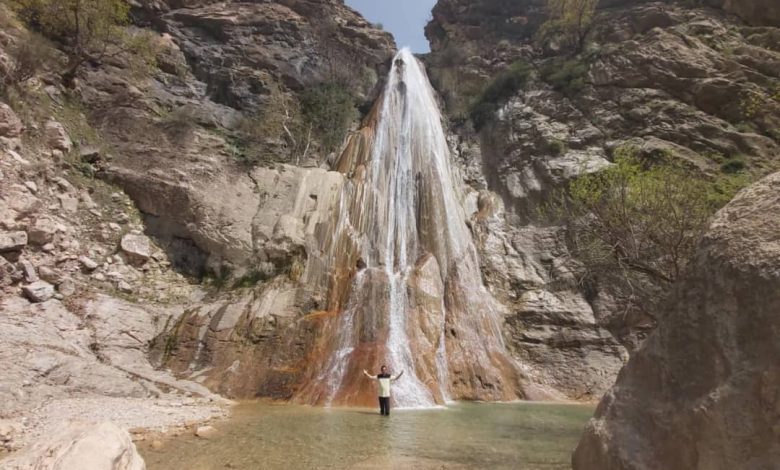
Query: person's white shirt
384	382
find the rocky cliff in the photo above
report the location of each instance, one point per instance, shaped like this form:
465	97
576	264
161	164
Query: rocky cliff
698	84
704	391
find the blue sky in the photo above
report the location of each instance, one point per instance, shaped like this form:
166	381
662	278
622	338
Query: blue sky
406	19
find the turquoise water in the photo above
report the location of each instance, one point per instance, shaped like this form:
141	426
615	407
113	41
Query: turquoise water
462	436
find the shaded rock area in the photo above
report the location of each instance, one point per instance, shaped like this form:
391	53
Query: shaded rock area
704	391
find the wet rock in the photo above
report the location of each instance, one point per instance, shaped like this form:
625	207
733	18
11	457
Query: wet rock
704	390
102	446
57	137
206	432
12	241
137	248
42	231
39	291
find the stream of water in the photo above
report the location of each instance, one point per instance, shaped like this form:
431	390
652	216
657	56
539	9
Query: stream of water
517	436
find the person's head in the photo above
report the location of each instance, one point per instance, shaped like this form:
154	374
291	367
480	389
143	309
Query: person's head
383	369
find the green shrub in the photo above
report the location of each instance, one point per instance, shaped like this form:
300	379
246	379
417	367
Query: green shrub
635	226
28	55
734	165
89	30
503	86
567	77
329	109
557	147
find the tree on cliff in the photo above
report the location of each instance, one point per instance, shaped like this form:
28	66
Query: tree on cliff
569	21
634	226
90	30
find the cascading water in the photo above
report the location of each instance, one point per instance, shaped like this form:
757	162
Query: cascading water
405	287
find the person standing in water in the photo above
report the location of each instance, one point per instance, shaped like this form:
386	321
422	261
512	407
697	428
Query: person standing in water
384	380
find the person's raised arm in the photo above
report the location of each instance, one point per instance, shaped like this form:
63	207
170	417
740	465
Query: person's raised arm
398	376
369	375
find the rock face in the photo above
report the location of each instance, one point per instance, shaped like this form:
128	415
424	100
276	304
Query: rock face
704	391
658	76
101	446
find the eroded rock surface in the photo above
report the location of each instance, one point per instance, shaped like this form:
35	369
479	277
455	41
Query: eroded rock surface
88	446
704	391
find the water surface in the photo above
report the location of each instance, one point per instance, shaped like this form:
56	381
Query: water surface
519	436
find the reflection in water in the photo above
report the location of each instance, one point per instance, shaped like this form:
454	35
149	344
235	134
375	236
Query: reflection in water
497	436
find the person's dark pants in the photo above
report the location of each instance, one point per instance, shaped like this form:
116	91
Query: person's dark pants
384	406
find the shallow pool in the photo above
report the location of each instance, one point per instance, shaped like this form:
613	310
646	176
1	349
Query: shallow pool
462	436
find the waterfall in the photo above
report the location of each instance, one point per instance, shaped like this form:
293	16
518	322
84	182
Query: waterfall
405	287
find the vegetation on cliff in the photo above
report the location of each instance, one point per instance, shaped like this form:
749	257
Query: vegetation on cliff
90	31
635	226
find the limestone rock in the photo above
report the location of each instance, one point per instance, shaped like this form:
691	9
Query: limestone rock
137	248
206	432
42	231
704	391
12	241
39	291
80	446
50	275
11	128
27	268
8	273
57	137
88	263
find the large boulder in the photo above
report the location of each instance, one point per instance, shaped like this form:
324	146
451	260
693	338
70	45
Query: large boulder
80	446
704	391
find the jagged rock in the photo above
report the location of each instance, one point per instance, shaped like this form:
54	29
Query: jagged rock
9	432
10	124
137	248
125	287
704	391
27	268
68	203
89	153
11	128
8	273
50	275
39	291
88	263
67	287
31	186
57	137
12	241
77	446
42	231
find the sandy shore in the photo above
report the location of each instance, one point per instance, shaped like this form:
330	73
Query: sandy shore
140	416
